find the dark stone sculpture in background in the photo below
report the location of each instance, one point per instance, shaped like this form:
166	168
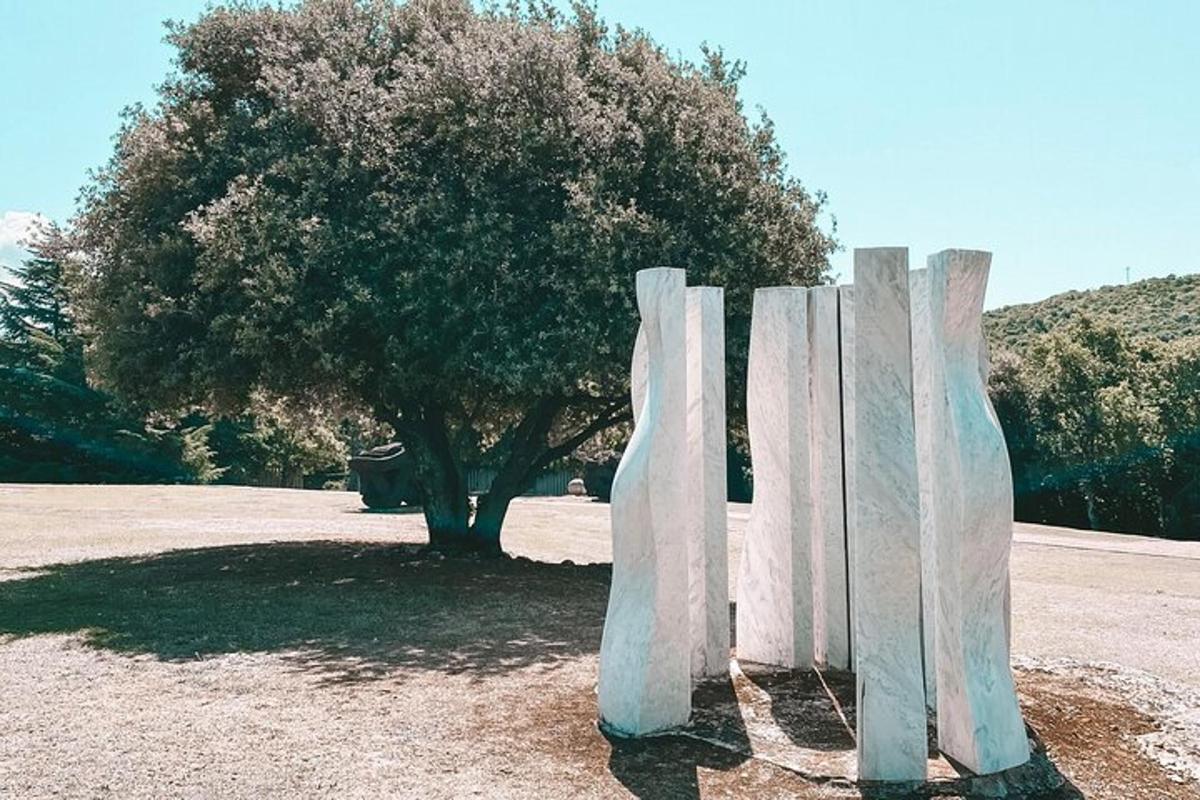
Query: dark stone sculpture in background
385	477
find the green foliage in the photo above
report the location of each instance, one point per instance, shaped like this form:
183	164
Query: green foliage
1103	428
277	444
55	427
431	212
1161	308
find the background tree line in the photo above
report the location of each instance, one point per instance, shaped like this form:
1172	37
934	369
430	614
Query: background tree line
56	426
351	220
1101	411
1102	424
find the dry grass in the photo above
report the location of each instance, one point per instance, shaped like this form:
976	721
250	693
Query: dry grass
340	663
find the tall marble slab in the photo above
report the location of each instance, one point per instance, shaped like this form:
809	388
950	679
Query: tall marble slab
979	720
926	385
708	551
645	675
831	616
849	489
890	684
774	597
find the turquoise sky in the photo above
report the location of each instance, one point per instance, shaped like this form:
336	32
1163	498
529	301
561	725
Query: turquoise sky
1064	136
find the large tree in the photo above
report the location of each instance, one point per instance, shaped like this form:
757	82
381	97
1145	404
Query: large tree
434	213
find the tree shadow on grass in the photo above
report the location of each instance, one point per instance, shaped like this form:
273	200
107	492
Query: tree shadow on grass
347	611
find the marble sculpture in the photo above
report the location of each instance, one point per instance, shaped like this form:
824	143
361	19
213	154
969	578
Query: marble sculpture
831	618
645	680
970	497
924	378
708	550
849	489
887	559
880	531
774	597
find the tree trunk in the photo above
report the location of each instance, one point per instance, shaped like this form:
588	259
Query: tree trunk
489	519
437	474
517	474
1089	499
529	445
425	435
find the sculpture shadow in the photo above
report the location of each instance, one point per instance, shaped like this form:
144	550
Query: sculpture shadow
666	767
814	710
1037	779
347	611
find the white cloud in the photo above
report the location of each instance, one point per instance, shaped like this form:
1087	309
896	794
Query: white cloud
16	227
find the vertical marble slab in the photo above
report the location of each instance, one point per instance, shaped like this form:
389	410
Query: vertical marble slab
926	378
890	684
831	616
846	348
708	553
985	372
645	675
979	719
638	373
774	598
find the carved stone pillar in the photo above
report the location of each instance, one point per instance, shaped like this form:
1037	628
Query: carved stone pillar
708	549
775	599
831	616
891	731
645	681
970	483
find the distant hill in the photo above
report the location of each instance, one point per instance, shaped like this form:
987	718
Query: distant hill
1167	308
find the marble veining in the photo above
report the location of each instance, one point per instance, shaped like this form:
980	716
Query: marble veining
831	618
970	487
887	588
645	675
775	598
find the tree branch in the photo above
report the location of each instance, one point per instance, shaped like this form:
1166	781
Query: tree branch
616	413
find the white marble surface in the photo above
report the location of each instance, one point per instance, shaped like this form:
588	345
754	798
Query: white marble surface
979	720
891	693
638	369
846	345
774	599
645	675
926	385
708	556
831	616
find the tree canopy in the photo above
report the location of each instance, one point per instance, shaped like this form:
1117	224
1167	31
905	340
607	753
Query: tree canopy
432	213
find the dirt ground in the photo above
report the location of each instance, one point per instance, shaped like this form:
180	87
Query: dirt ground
222	642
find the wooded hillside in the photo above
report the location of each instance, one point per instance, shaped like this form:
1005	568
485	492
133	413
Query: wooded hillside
1164	308
1099	396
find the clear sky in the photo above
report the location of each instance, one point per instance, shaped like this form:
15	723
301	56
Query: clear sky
1063	135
